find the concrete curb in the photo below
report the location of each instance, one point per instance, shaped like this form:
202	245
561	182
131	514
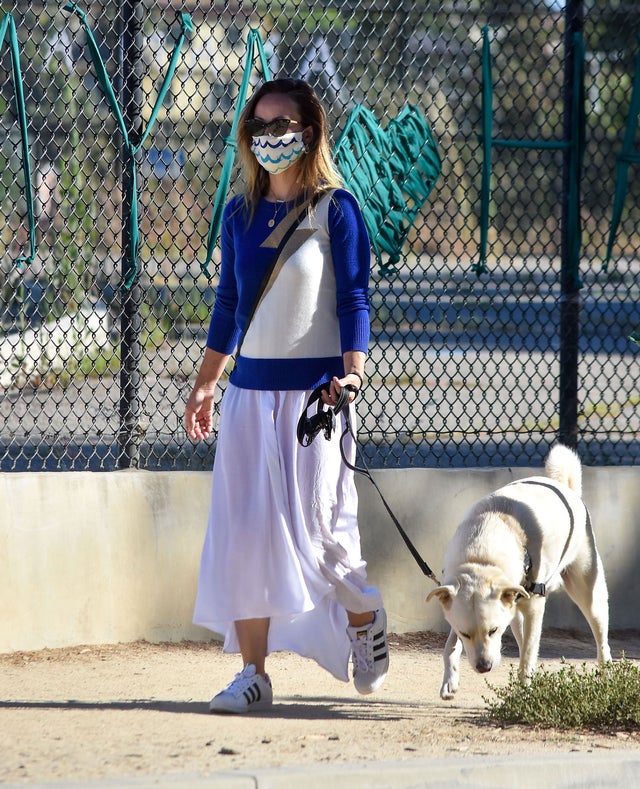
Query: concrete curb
556	771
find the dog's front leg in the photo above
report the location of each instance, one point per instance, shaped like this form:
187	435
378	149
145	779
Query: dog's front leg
451	679
517	628
533	613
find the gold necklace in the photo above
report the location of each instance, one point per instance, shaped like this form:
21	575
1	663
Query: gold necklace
276	209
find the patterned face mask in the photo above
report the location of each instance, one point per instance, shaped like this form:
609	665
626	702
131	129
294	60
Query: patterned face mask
277	154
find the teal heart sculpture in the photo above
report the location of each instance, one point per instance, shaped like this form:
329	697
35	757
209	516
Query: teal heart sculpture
391	172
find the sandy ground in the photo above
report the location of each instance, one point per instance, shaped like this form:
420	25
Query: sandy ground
141	710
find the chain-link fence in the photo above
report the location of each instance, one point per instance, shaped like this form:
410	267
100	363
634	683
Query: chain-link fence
502	326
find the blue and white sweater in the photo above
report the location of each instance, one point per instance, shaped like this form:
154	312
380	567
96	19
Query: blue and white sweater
318	306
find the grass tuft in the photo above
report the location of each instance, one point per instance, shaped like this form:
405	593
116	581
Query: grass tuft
603	698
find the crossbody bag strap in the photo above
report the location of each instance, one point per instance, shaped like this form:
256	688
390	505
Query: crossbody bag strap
273	268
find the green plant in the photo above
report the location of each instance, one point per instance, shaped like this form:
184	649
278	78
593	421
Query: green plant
601	698
97	363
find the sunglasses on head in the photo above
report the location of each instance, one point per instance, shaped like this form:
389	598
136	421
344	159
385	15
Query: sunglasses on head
274	128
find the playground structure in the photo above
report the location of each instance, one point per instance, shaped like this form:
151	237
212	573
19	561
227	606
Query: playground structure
410	317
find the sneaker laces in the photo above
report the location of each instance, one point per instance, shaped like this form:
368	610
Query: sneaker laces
362	653
242	680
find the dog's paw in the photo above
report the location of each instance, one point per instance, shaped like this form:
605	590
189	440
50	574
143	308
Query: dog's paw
526	672
448	689
446	693
604	654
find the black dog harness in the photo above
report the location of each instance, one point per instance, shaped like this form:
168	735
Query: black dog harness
536	587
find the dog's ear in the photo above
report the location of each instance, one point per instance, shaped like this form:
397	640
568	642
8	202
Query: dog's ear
445	595
510	594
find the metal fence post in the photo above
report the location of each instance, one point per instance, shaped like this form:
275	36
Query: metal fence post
131	319
570	236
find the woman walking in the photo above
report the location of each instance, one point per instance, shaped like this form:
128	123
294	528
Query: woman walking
281	566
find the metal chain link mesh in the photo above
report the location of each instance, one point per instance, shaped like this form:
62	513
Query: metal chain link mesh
464	368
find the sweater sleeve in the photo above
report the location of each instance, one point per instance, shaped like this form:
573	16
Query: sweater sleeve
223	333
351	252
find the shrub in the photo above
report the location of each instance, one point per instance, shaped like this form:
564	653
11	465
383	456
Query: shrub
602	698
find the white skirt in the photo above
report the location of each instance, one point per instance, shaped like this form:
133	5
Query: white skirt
282	539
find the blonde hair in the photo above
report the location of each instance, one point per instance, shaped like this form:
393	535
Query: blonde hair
316	167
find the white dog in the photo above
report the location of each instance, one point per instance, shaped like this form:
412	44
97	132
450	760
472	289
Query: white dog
512	548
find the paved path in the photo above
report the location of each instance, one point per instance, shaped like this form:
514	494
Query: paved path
136	715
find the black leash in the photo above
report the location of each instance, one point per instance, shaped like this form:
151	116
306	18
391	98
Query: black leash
324	420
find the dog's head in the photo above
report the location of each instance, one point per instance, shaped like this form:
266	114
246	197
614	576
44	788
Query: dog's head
479	610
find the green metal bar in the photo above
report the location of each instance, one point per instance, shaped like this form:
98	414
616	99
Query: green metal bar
489	142
541	145
487	123
626	157
8	25
130	264
186	26
253	41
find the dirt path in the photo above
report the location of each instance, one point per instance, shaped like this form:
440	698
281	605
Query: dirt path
141	710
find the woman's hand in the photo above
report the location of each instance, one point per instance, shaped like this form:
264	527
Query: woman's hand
337	384
198	412
198	415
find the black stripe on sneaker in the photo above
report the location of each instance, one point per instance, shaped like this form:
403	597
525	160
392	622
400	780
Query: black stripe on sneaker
252	694
380	649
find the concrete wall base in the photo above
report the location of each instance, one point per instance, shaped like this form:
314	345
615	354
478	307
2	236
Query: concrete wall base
90	558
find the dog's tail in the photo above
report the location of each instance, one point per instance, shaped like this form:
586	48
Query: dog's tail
563	465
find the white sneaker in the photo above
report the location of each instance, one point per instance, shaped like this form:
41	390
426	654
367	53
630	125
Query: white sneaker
248	691
370	653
